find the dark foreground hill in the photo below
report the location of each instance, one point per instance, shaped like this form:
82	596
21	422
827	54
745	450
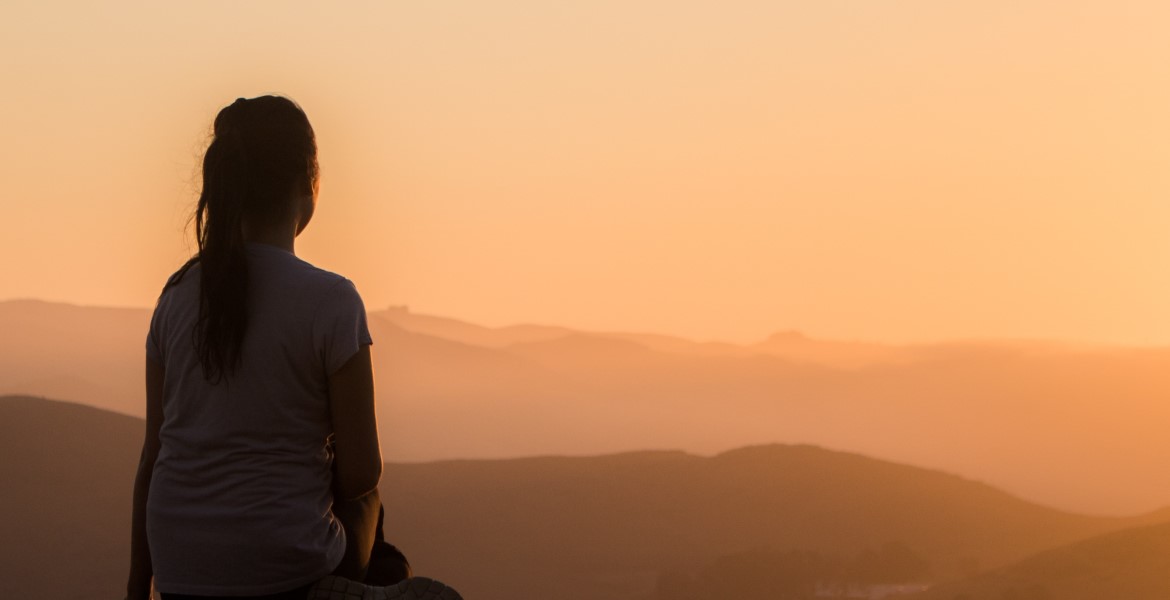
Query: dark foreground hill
67	472
577	526
1133	564
552	527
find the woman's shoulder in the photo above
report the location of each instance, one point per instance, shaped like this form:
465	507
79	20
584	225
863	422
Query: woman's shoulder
328	287
276	268
270	258
325	281
185	274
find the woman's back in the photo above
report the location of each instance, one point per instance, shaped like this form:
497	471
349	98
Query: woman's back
240	496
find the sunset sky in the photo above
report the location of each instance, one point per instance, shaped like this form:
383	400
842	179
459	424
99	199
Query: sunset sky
899	171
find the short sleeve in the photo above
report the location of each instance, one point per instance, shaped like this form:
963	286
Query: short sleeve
156	333
340	325
153	339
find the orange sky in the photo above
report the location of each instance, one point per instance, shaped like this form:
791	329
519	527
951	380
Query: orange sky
902	171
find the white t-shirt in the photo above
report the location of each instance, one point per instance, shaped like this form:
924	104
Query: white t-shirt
240	500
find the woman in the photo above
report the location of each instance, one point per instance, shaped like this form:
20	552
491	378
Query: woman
260	464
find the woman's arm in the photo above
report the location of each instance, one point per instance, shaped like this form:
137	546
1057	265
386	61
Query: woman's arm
138	586
357	461
357	458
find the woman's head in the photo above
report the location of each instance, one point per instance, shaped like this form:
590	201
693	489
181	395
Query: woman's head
260	174
259	171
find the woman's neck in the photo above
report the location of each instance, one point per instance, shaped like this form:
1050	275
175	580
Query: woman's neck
281	235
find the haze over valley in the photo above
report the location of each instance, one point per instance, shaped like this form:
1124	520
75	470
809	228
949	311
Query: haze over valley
1075	427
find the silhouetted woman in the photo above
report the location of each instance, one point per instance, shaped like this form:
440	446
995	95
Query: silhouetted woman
260	464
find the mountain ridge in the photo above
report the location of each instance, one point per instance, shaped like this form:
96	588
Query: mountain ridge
1031	419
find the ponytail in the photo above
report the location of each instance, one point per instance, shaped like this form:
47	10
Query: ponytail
262	153
219	233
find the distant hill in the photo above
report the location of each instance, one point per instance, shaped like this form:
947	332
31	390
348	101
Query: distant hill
609	526
1133	564
67	473
788	345
557	527
1071	426
80	353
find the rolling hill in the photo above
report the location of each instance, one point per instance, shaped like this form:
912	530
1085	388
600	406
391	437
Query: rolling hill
561	527
68	473
1133	564
1071	426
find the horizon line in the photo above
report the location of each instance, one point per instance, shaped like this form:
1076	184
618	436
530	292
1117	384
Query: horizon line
963	339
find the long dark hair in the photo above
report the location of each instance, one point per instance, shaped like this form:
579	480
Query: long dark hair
262	157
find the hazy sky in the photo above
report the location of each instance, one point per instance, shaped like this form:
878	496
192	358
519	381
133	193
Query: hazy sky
895	170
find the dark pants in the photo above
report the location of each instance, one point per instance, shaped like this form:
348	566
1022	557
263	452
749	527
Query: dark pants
298	594
368	557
